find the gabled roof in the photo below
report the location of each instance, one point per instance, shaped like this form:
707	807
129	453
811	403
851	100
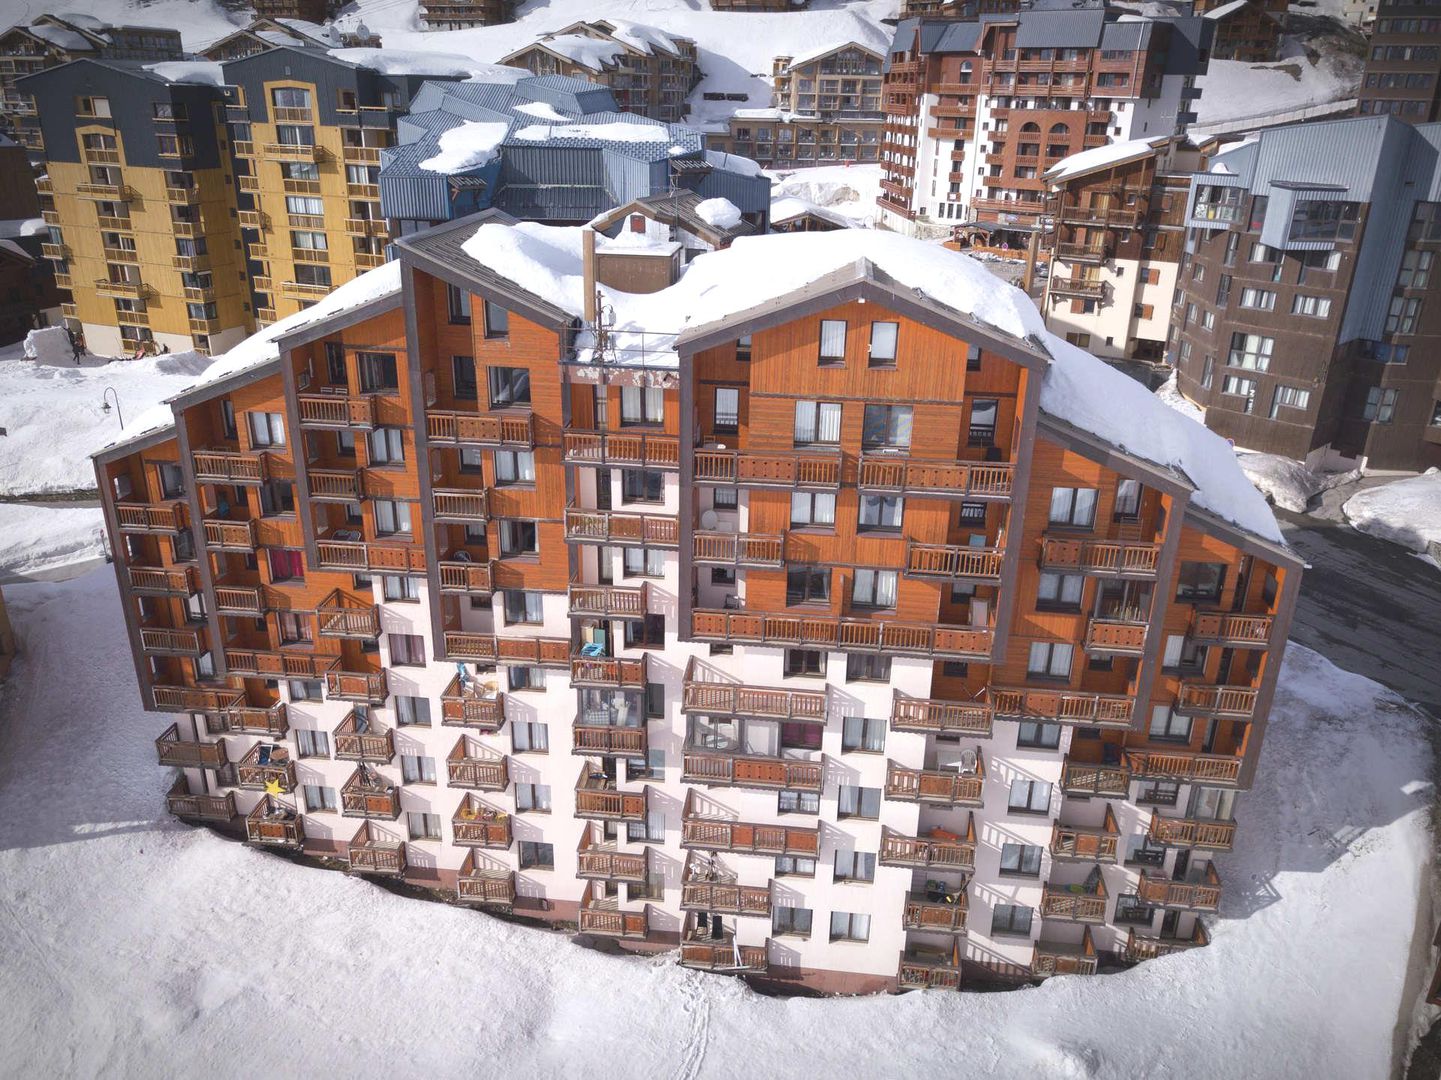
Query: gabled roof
678	209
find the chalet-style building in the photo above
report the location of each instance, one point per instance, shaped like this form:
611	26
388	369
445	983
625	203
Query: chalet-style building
807	607
1246	30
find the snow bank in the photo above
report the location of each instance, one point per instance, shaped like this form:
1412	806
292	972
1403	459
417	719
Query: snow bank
130	940
49	345
1285	482
1406	512
471	144
721	213
1235	90
39	537
614	131
850	190
1170	394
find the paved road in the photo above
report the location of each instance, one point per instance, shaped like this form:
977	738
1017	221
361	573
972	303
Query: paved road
1369	607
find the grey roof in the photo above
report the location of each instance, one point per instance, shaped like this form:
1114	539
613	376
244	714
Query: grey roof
1060	29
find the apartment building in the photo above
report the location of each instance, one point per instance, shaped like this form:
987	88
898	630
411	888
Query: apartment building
463	14
828	635
306	131
52	40
1245	30
548	148
143	238
825	109
977	110
1118	220
1402	77
649	71
1307	315
310	11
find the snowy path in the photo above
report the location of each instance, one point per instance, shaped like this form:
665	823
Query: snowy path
135	946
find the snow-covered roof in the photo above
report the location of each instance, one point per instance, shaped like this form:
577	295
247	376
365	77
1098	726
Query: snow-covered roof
410	62
826	50
204	72
61	38
466	147
789	207
1102	157
1225	9
615	131
721	213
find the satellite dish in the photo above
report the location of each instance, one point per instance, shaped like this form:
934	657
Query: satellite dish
709	519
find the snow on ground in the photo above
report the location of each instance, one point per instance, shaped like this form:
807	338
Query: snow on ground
38	537
1406	512
136	946
850	190
1285	482
1236	90
54	417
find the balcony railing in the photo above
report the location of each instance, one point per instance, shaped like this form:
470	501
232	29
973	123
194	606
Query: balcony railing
901	639
483	429
204	807
1233	631
185	754
371	851
367	794
1091	843
195	699
472	704
274	823
937	787
1225	702
547	652
738	549
1203	894
364	555
472	765
1113	558
606	919
888	472
225	535
597	861
924	716
1074	903
702	692
729	770
240	600
607	740
462	506
1087	778
954	561
254	662
1063	706
941	850
596	796
607	527
265	767
371	687
490	886
714	834
359	738
342	616
170	642
1065	958
704	887
936	911
464	576
230	467
608	601
1078	287
1184	767
477	824
725	956
272	721
1116	637
815	469
1139	948
1190	832
928	969
621	448
608	671
336	485
150	517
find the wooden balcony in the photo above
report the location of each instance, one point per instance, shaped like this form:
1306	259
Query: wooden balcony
341	615
652	451
266	767
490	887
769	774
605	919
597	797
596	861
825	631
1139	948
367	794
336	485
1087	778
607	740
463	576
1184	766
703	954
1202	894
1222	702
461	506
241	600
608	601
1116	637
1074	903
225	535
1090	843
512	429
1064	958
230	466
704	888
352	555
705	691
472	765
1063	706
105	192
1191	833
715	834
173	750
163	580
274	823
546	652
195	699
935	787
473	704
814	469
1116	217
293	152
611	527
303	290
609	672
1232	631
1108	558
953	562
371	851
359	738
165	641
477	824
204	807
1078	288
764	550
972	480
925	716
937	913
272	721
939	851
370	687
167	518
928	969
1083	253
255	663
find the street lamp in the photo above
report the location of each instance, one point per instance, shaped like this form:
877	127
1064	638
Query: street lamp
105	404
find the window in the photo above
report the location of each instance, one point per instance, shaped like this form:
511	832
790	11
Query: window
1159	792
983	422
399	587
1035	735
798	802
1321	219
1060	592
507	386
883	344
312	744
417	769
1289	397
1021	859
743	348
1050	660
1143	852
525	677
643	562
642	485
528	737
411	711
812	508
385	446
642	405
874	588
868	667
886	427
286	564
514	467
1318	307
319	799
522	606
345	444
1075	507
497	322
1251	351
795	866
804	662
518	538
462	378
1415	269
406	650
1380	404
1212	804
423	826
880	513
849	926
1261	299
649	830
277	497
290	97
294	627
307	240
1200	582
1168	726
833	342
808	585
1029	797
377	372
727	409
266	428
863	734
1207	371
391	518
532	798
1182	654
536	856
1237	386
1128	500
791	921
172	481
458	304
305	689
1011	919
858	802
818	422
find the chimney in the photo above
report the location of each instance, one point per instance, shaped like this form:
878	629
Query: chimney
588	275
